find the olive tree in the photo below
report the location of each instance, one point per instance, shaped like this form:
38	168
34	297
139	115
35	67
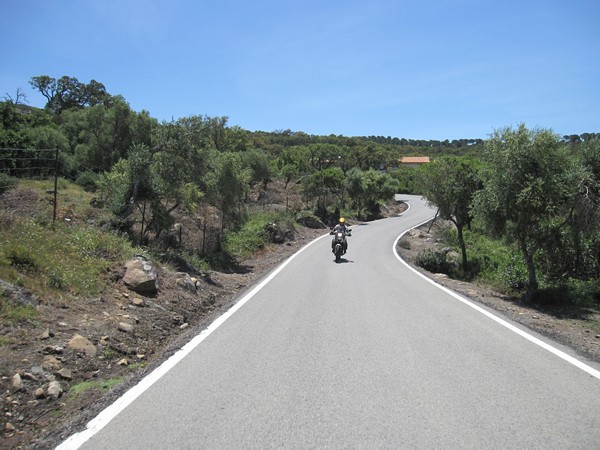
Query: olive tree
528	188
450	184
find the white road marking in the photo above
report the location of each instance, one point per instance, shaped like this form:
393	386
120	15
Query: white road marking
102	419
590	370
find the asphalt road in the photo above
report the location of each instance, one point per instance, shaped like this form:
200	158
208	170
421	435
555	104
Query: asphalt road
360	354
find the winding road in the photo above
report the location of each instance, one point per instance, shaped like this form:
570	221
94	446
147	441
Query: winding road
361	354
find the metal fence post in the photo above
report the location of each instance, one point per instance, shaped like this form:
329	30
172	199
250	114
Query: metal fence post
55	185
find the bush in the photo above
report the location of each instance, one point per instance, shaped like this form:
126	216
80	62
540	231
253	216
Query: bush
514	274
7	183
431	261
254	234
87	180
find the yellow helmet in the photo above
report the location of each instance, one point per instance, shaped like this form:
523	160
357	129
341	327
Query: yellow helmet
342	220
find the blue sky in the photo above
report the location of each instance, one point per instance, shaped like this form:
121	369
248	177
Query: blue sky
420	69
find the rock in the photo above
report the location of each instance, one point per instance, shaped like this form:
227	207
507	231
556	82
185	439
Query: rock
17	382
39	393
51	364
123	362
65	374
29	376
45	334
125	327
310	221
82	345
187	282
136	301
9	427
140	276
55	390
17	295
277	234
56	349
38	370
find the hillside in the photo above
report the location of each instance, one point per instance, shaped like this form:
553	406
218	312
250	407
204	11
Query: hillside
98	345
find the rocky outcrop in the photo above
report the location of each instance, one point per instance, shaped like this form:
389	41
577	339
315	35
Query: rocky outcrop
310	221
278	234
17	295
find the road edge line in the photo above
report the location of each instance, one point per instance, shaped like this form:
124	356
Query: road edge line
110	412
568	358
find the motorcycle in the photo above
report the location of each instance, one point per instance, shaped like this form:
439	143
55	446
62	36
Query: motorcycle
338	244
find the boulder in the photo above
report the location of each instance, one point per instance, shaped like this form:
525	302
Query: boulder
17	295
278	234
310	221
141	276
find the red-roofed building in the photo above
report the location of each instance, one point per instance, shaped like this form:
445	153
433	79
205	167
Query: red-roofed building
414	161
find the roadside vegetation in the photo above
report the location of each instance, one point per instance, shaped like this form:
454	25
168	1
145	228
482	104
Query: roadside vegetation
525	204
526	215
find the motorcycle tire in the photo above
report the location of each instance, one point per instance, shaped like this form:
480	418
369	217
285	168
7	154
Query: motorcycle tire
338	252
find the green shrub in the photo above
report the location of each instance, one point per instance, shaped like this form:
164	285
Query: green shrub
253	235
431	261
17	314
7	182
87	180
514	274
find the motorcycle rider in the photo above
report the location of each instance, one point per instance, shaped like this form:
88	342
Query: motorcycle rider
341	226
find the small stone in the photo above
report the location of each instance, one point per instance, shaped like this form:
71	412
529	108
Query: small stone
83	345
65	374
17	382
39	393
123	362
125	327
51	364
29	376
9	427
184	326
55	390
138	301
45	334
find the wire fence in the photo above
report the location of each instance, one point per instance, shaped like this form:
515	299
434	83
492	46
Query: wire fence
33	164
19	164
